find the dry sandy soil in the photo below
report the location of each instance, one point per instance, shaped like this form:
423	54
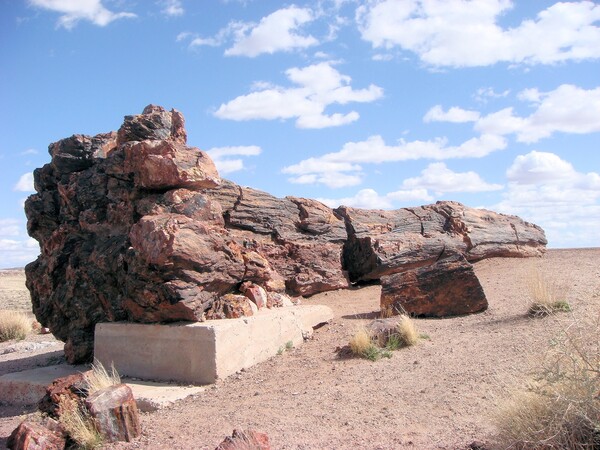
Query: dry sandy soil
438	394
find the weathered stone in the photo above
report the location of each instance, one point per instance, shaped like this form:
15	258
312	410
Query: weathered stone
162	165
155	123
382	329
257	295
278	300
61	390
230	306
37	436
447	288
115	413
245	440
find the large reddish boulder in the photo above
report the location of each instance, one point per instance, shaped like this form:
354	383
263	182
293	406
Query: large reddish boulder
448	287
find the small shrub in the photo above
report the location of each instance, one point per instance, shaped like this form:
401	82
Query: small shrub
372	353
547	297
394	342
14	325
561	406
99	378
280	351
289	345
79	425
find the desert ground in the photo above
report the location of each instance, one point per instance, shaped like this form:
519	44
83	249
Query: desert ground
439	394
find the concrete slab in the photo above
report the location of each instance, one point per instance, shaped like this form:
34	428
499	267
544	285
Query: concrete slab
201	353
29	386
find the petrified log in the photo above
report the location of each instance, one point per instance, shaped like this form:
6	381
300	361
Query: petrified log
385	242
115	413
135	225
448	287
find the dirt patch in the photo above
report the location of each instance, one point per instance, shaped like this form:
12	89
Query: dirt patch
438	394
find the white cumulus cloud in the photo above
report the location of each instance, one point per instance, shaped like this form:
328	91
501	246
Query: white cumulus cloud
18	253
224	157
75	10
547	190
370	199
439	178
374	150
464	33
172	8
317	86
280	31
25	183
567	109
454	114
276	32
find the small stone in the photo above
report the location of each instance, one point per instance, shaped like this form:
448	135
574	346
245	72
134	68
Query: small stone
37	436
245	440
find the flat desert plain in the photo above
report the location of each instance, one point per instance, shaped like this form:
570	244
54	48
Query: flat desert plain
439	394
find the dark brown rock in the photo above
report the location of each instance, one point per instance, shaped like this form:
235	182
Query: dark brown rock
448	287
115	413
37	436
245	440
61	390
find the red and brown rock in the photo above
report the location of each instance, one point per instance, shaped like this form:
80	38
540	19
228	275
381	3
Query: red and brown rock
245	440
115	413
448	287
37	436
163	165
256	294
60	391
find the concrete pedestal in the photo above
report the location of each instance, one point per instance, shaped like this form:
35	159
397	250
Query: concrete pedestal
201	353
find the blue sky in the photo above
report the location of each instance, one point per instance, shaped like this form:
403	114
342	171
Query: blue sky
375	104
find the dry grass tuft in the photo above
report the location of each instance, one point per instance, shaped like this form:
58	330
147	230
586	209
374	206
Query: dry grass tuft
79	426
99	378
547	297
361	342
14	325
407	331
363	345
561	407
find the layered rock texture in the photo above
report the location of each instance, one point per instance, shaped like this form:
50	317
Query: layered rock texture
135	225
